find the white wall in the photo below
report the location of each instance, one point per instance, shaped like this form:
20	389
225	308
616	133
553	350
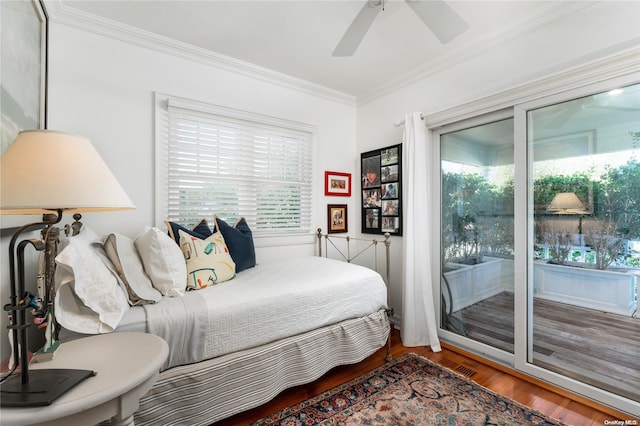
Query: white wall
103	88
594	33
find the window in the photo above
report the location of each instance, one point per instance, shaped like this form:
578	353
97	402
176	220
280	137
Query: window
216	160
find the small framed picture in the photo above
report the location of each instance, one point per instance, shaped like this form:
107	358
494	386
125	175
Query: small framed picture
372	219
389	155
371	172
389	190
390	208
337	218
389	173
371	198
391	225
337	183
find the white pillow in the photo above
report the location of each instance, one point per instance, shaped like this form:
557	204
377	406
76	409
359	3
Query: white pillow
88	297
127	266
163	261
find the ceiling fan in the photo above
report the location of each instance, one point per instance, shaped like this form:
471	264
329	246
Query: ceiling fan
436	15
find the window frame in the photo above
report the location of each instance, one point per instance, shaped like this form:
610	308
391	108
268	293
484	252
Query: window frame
161	156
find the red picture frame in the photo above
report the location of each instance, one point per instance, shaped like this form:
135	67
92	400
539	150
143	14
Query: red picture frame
337	184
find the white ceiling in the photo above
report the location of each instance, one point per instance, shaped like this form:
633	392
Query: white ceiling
297	38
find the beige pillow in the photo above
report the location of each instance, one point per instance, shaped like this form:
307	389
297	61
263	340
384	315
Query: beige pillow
208	261
128	267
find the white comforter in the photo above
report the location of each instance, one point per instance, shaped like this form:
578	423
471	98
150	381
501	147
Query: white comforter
262	304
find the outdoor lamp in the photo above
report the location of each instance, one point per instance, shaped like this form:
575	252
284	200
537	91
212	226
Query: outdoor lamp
44	172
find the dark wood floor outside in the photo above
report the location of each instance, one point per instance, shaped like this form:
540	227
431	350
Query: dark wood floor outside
540	396
599	348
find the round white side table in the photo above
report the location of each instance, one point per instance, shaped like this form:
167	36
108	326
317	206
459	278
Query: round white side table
126	366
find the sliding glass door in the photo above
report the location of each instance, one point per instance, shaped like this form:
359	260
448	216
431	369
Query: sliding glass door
477	233
539	238
585	186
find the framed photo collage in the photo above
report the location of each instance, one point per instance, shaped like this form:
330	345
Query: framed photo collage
381	186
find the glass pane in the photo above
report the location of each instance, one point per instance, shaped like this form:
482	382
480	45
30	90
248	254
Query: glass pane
477	233
586	255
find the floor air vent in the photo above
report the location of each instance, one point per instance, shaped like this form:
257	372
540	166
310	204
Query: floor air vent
449	364
465	371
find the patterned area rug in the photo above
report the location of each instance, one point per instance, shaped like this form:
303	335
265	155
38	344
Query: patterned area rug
410	390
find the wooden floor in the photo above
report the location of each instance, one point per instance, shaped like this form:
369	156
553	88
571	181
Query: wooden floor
553	402
594	347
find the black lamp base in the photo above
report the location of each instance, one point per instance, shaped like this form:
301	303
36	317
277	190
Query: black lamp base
43	388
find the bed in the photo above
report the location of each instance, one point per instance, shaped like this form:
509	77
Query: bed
237	344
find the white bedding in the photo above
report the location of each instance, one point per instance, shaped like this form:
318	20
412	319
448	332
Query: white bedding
262	304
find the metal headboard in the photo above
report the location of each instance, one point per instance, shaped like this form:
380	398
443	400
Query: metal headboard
347	257
329	239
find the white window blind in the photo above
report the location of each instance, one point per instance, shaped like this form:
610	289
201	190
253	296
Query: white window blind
234	164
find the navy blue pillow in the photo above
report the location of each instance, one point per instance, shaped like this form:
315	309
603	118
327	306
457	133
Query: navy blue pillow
239	240
200	230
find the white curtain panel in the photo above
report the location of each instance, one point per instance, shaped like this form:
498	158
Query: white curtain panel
419	327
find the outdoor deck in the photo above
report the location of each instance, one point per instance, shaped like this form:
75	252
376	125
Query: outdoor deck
595	347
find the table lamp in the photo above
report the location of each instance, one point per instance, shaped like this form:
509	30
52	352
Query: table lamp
568	203
44	172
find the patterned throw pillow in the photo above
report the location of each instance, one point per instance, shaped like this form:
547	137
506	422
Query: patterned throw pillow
200	230
208	260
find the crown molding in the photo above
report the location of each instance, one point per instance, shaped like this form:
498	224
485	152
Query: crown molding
552	12
61	13
618	62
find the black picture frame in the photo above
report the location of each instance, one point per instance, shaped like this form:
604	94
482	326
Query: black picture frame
381	190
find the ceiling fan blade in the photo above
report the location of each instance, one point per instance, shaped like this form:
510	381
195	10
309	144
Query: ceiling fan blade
614	108
443	22
358	28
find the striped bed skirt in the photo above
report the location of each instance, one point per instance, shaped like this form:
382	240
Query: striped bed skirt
208	391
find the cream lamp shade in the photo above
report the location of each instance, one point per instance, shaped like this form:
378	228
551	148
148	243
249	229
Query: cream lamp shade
566	203
44	171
